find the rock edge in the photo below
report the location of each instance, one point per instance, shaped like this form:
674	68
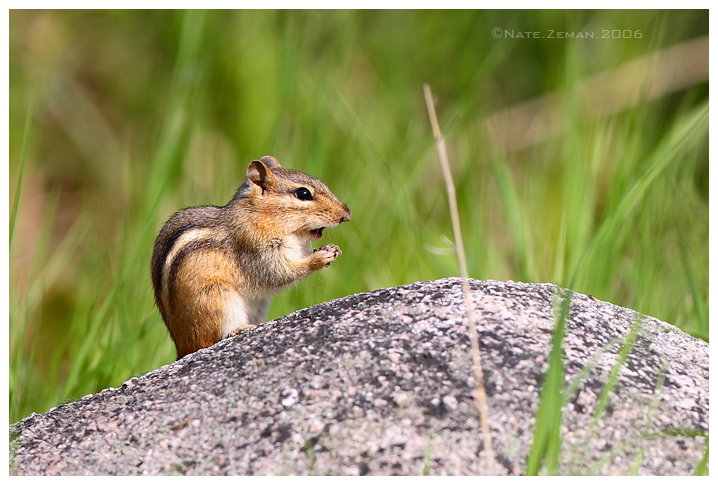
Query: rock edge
381	383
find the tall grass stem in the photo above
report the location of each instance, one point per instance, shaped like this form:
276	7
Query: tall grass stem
480	392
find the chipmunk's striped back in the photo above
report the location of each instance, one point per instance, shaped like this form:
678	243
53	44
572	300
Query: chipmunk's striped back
184	231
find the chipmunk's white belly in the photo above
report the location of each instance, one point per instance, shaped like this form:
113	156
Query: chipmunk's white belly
242	312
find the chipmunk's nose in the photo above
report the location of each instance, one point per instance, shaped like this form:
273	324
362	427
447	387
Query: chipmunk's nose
348	216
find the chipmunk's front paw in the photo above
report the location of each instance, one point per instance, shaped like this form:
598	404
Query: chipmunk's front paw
325	255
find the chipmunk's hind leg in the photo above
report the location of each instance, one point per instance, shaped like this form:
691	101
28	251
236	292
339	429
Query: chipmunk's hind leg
200	321
203	301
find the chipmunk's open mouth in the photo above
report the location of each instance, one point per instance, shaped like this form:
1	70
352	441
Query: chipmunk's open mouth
315	234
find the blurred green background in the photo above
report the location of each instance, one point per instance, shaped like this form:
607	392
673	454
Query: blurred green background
580	162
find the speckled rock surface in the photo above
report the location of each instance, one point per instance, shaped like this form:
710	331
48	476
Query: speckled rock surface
381	383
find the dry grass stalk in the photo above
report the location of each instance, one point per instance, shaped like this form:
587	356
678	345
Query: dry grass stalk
640	80
480	392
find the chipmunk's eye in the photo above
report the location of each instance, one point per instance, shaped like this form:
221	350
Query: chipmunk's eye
303	193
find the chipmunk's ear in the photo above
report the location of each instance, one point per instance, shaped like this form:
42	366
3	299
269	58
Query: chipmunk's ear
260	175
270	162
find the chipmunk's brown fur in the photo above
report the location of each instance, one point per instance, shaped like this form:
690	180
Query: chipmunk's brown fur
215	268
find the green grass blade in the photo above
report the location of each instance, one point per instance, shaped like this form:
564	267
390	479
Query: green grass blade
658	388
612	379
25	137
513	208
613	375
702	468
685	132
699	305
546	445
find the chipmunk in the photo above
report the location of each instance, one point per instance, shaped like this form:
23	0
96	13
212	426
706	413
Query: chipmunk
215	268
